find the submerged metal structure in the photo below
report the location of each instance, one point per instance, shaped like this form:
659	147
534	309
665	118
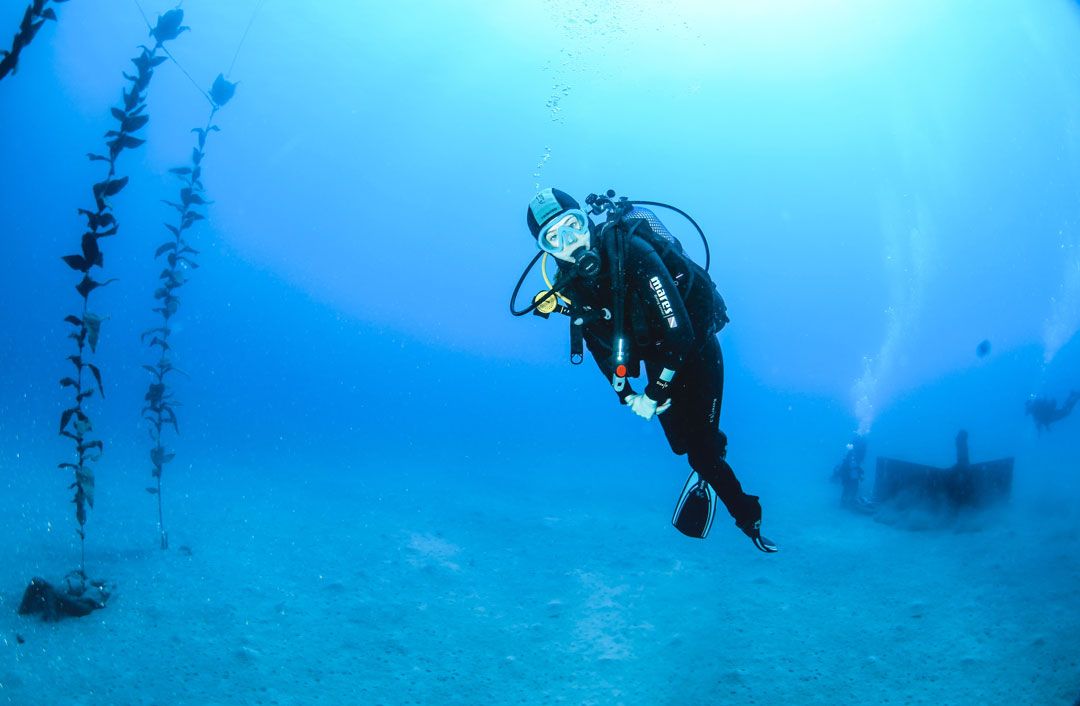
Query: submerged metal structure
977	485
962	485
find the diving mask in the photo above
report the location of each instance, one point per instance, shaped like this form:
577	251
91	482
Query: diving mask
566	234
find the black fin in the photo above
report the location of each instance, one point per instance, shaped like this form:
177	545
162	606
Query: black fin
695	509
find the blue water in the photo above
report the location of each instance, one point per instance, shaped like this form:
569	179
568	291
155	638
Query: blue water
387	490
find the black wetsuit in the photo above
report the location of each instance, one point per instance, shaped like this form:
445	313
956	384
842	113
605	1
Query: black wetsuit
671	316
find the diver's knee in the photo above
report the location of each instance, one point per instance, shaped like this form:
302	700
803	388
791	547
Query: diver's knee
707	452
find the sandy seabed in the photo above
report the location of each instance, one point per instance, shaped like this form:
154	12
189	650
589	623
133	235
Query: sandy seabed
433	592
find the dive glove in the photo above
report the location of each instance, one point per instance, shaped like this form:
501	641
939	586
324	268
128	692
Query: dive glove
645	406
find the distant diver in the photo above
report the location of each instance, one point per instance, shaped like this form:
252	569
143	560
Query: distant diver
1044	411
849	474
633	296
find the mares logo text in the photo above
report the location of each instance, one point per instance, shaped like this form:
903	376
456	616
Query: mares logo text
663	302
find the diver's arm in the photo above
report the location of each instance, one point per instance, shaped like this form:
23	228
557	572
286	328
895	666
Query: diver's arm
667	316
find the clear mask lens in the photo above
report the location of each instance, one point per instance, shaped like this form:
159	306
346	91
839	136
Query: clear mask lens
566	230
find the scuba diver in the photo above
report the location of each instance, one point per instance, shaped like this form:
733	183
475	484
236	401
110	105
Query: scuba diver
849	474
1045	411
634	297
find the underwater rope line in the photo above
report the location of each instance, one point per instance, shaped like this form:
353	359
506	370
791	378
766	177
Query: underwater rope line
236	54
243	38
145	18
184	71
173	58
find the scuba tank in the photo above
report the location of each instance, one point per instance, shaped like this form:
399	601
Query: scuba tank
682	268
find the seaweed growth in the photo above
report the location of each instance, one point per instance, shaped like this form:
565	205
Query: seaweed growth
75	424
35	16
160	410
